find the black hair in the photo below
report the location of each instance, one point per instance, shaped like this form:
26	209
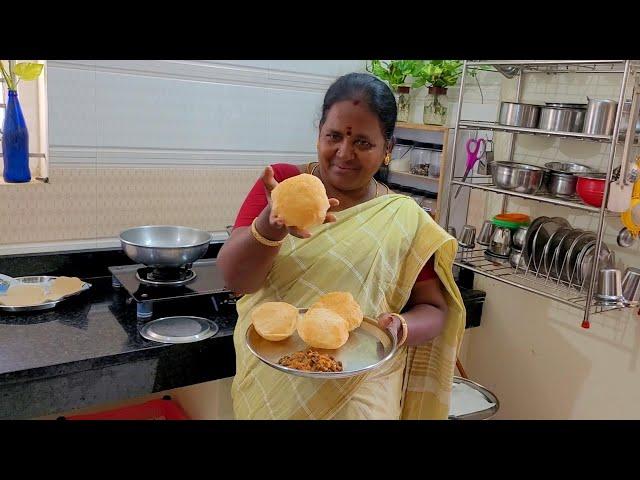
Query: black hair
370	89
374	93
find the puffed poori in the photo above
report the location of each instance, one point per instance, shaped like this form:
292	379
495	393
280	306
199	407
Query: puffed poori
344	305
323	328
274	321
301	201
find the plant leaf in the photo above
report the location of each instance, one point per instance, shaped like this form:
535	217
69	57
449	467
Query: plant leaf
418	83
28	71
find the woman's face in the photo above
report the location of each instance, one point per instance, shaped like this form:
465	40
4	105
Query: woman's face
351	146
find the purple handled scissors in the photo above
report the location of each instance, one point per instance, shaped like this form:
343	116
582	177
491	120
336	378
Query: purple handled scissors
473	155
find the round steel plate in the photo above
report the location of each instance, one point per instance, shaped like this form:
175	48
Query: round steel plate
527	245
179	329
368	347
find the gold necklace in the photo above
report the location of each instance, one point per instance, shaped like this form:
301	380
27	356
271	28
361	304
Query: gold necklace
313	171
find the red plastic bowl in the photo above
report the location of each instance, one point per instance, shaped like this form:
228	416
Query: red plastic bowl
591	189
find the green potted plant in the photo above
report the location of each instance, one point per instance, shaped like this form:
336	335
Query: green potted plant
437	75
395	73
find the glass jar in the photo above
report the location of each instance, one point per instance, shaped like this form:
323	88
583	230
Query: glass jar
400	157
436	106
434	166
420	158
403	101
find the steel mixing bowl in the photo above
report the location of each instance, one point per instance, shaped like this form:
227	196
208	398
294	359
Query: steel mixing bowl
165	245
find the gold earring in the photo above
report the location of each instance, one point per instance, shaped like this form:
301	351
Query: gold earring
387	159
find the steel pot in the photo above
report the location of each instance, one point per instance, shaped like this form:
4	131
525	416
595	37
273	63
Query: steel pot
519	114
624	121
165	245
518	177
600	117
516	260
561	184
557	119
500	243
519	237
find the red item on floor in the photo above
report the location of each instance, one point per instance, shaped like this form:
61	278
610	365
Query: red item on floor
161	409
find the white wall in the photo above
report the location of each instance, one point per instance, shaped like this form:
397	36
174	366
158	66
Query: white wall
187	112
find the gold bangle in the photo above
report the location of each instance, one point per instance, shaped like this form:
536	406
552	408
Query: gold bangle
261	239
405	328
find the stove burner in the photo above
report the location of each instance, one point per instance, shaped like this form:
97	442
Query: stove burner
172	277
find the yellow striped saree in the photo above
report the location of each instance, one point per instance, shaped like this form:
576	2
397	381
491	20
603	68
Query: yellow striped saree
374	250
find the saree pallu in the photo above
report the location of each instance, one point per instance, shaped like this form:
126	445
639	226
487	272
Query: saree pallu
375	251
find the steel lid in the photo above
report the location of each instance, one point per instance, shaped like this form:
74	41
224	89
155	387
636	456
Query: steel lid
579	106
179	329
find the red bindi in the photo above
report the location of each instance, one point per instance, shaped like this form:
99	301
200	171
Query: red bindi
356	102
348	131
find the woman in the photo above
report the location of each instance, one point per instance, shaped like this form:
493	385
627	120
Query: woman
379	246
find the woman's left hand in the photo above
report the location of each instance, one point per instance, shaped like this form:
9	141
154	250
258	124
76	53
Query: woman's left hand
386	320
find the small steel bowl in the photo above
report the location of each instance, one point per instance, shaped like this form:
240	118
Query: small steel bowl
561	184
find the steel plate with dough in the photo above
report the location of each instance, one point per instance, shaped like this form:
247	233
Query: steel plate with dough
48	303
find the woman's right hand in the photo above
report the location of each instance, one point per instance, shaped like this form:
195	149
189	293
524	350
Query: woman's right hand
276	223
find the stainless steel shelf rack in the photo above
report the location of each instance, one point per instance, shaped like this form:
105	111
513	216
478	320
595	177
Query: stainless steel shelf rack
558	289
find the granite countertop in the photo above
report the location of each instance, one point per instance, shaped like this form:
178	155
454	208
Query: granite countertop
88	351
98	327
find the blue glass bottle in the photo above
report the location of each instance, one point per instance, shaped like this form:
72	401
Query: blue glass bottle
15	143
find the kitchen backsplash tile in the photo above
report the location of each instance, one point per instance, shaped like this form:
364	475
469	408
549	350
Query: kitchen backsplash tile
61	210
206	198
88	202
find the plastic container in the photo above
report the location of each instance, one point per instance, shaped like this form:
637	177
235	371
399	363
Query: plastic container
511	220
514	217
421	157
400	156
160	409
434	167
